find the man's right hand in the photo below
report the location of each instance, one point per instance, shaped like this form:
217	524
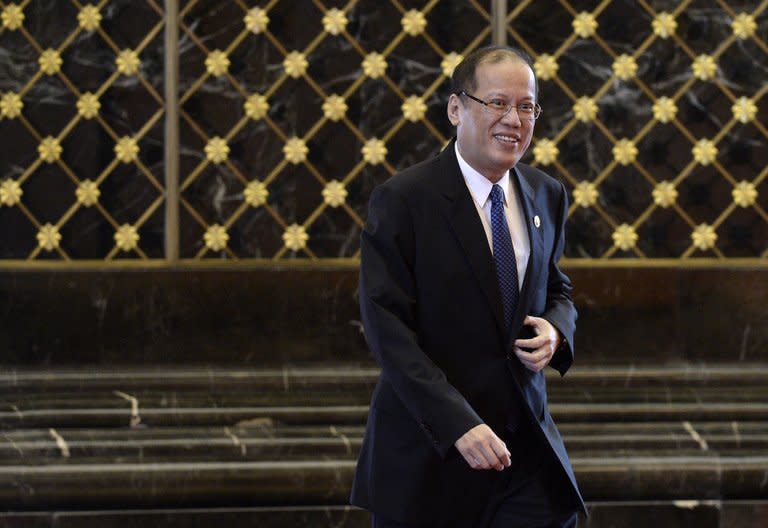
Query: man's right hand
482	449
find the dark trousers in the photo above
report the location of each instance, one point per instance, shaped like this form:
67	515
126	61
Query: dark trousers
532	493
533	499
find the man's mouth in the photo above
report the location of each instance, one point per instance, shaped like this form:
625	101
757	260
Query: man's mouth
507	140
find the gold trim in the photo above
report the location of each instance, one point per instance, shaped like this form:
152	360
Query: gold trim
172	141
353	263
578	263
499	22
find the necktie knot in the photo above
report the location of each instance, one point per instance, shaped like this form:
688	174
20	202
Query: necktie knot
497	195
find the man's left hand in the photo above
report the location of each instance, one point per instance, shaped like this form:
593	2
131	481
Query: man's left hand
542	347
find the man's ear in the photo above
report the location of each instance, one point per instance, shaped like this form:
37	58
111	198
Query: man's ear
454	104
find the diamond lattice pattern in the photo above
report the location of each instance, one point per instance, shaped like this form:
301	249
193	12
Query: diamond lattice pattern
297	118
657	125
81	178
291	111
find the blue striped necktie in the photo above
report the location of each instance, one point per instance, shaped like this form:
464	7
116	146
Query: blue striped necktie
504	256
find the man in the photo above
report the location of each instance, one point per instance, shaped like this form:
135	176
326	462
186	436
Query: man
463	306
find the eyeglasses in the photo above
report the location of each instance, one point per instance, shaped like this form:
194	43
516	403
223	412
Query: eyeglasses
500	108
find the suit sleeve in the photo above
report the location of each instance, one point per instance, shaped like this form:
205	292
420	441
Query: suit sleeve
388	305
560	310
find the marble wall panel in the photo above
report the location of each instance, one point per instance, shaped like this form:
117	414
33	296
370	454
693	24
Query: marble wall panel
275	317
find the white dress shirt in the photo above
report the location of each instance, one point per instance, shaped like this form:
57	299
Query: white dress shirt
480	189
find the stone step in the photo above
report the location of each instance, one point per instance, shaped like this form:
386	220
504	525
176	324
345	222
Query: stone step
338	377
339	395
561	392
704	411
176	416
341	377
672	513
210	438
308	443
62	417
701	476
300	516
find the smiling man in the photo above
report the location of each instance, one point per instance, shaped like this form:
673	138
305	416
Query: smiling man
464	306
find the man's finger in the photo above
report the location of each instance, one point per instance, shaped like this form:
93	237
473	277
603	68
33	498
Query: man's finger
471	457
482	449
531	320
531	357
484	460
502	453
492	459
534	342
534	361
536	366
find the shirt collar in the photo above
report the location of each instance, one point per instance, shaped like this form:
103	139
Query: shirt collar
479	186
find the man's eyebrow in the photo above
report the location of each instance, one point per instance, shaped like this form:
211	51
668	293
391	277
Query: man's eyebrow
501	95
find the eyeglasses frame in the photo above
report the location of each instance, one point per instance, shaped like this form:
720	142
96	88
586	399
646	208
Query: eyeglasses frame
535	115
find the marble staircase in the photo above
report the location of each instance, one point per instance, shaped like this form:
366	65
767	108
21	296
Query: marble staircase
236	397
181	443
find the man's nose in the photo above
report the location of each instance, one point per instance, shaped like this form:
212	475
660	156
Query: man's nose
512	118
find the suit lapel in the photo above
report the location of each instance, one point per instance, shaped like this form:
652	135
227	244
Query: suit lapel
535	237
469	230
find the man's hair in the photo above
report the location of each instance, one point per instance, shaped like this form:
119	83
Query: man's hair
464	78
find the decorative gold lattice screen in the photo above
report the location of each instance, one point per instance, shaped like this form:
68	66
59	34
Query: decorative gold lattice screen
284	114
81	169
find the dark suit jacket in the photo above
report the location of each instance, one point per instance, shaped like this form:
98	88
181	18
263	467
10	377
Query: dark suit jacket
433	319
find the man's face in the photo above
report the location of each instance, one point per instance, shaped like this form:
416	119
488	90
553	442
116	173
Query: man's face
490	143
